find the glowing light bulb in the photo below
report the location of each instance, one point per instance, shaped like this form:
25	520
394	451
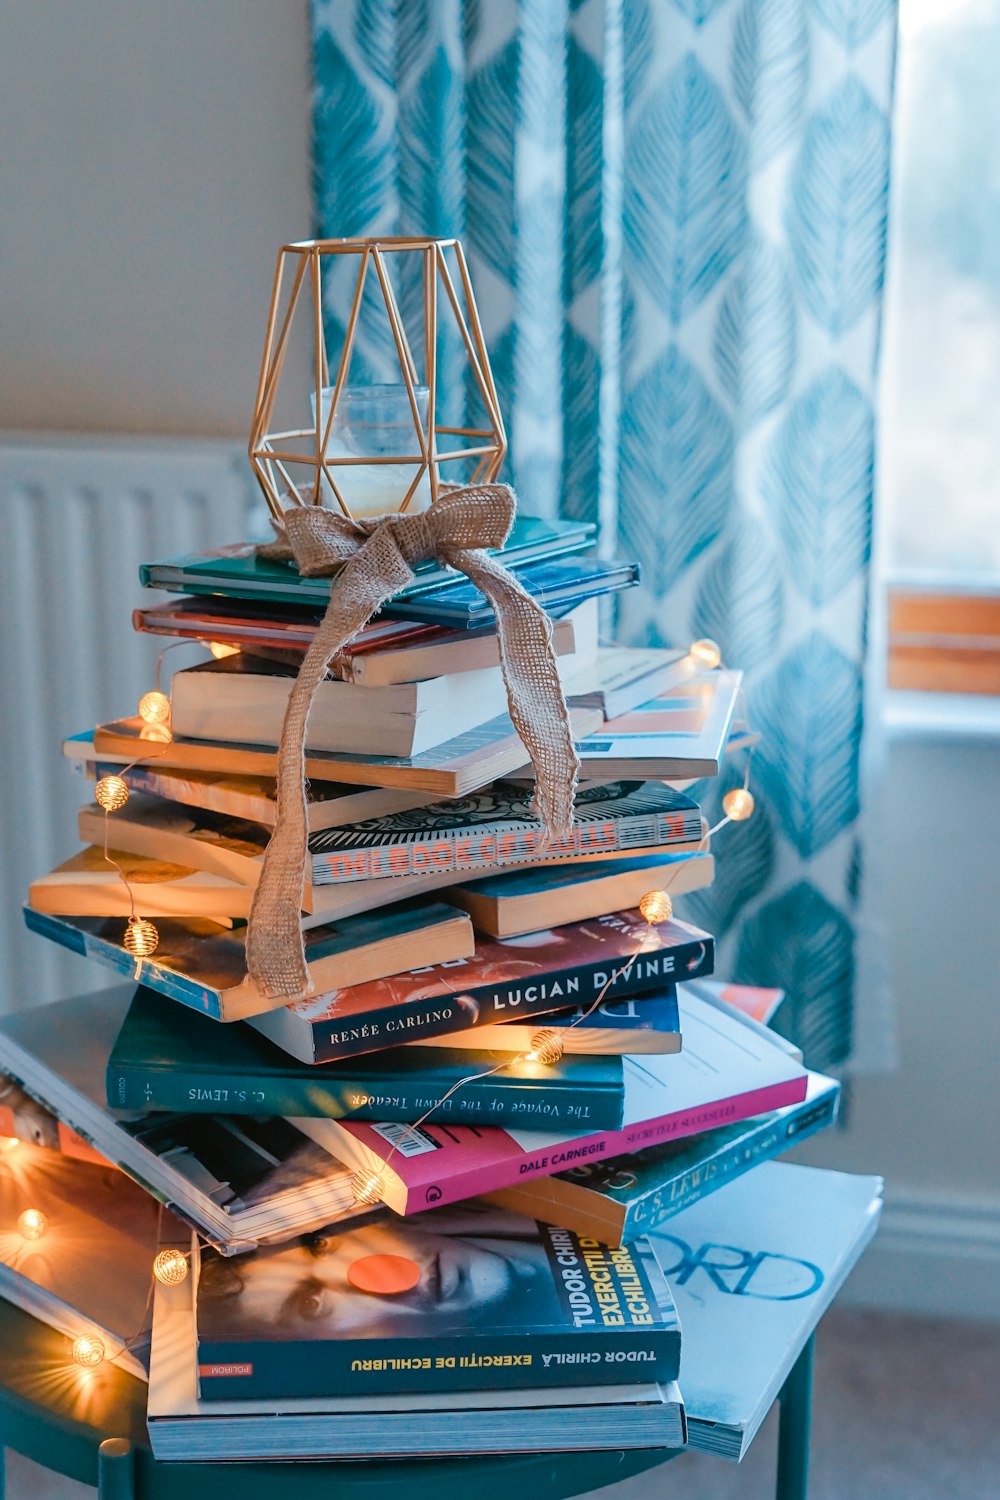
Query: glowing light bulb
738	804
111	793
547	1047
8	1143
220	649
707	653
32	1224
141	937
154	707
367	1187
141	940
88	1351
656	907
170	1267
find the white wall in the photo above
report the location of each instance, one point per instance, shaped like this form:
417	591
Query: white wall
155	156
933	1128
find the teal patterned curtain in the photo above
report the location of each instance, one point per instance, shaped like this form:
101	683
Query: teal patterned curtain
676	218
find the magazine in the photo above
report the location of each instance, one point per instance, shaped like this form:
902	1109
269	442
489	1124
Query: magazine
239	1182
88	1272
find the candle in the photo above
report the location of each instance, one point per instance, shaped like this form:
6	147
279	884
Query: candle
374	421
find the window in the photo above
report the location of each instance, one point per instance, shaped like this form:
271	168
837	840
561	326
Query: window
940	436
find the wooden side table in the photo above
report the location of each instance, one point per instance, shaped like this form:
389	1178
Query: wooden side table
95	1431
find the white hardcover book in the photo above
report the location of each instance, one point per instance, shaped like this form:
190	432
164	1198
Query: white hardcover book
574	636
753	1268
242	700
622	677
681	733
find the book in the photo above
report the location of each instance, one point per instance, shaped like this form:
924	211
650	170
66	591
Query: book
22	1118
755	1000
753	1270
452	769
557	585
729	1069
87	886
470	1298
204	965
249	626
329	803
89	1272
521	901
242	699
184	1428
239	1182
520	979
234	848
222	899
498	826
615	1201
682	733
237	571
170	1059
634	1027
623	677
386	651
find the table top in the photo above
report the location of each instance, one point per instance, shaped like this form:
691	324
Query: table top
59	1415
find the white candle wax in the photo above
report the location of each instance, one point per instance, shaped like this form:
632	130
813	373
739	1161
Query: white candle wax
374	422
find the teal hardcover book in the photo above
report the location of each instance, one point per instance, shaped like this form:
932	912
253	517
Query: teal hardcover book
170	1059
457	1299
238	571
620	1199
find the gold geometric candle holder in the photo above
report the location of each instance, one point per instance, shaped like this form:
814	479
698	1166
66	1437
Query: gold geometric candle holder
374	448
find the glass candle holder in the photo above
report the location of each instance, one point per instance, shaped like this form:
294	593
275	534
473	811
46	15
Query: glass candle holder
374	422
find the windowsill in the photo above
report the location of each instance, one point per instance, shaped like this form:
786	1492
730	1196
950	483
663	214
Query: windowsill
941	716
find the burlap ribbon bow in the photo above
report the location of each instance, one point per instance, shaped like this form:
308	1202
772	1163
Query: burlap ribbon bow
373	559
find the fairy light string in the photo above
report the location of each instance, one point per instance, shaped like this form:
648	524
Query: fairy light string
548	1044
171	1266
111	793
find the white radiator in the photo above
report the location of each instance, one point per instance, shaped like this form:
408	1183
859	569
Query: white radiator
78	517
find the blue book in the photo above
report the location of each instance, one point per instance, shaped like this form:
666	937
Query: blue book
752	1270
557	585
615	1201
171	1059
238	572
634	1026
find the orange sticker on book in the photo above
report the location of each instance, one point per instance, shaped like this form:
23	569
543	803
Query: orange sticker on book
384	1275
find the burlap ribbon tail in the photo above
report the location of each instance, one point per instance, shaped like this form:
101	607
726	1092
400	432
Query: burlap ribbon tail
373	560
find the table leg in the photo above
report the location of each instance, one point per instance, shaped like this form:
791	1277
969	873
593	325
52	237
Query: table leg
793	1429
115	1470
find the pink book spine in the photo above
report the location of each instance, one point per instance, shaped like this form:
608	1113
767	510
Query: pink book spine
484	1161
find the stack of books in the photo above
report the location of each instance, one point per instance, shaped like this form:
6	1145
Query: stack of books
514	1287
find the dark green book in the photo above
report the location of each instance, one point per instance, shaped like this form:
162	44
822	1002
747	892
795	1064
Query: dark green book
462	1298
173	1060
238	571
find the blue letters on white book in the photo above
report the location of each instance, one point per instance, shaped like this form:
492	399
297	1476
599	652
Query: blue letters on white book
752	1269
